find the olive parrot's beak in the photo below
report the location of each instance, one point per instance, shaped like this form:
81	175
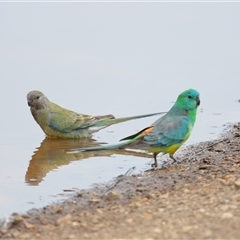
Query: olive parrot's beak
198	101
29	102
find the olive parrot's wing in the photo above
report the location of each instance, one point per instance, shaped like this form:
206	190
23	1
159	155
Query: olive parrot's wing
70	121
65	122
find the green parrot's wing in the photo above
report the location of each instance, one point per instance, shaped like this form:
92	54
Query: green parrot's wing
169	131
67	122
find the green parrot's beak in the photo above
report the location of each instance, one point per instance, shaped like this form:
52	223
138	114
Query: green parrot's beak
198	101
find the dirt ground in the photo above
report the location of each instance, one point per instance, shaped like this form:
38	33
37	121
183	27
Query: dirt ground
198	198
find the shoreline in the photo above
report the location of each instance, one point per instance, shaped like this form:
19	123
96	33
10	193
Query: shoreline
197	198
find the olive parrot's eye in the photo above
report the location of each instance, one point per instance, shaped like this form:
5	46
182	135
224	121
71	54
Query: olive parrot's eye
190	96
37	97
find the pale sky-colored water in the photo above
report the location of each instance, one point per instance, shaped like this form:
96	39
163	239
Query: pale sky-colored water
101	58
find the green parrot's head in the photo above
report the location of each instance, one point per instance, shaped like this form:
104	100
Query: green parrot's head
188	100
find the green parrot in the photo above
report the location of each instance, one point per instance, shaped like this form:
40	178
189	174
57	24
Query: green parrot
56	121
165	135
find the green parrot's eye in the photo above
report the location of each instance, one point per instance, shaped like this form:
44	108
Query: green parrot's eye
190	96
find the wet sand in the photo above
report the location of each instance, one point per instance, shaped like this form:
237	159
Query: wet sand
199	197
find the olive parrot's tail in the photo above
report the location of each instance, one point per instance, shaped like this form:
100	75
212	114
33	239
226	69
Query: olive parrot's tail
111	121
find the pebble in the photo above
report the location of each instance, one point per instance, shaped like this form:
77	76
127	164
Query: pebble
28	225
129	220
94	200
227	215
237	183
111	196
224	207
75	224
64	220
237	197
148	217
187	228
157	230
15	233
207	233
58	209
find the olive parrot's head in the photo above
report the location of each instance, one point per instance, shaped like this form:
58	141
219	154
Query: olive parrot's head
37	100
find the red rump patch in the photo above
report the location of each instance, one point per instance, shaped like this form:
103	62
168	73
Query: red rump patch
141	133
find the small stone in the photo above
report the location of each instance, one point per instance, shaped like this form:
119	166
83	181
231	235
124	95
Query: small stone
166	195
150	195
227	215
237	183
157	230
58	209
28	225
237	197
111	196
75	224
25	236
17	219
72	236
224	208
83	224
161	210
228	159
99	211
202	210
94	200
64	220
187	228
148	217
135	205
207	233
3	231
204	166
15	233
129	220
186	190
140	189
222	181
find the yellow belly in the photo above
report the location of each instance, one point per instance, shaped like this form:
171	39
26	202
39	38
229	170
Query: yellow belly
167	149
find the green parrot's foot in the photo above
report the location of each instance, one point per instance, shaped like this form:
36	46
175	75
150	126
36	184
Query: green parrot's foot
174	159
154	165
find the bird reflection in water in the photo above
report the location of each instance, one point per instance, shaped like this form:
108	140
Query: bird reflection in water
52	154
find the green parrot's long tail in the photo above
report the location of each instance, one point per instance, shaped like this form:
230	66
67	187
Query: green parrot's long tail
127	141
108	122
100	148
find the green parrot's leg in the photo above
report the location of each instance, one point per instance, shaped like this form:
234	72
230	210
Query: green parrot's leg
155	164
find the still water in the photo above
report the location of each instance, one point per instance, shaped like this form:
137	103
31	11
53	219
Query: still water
124	59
